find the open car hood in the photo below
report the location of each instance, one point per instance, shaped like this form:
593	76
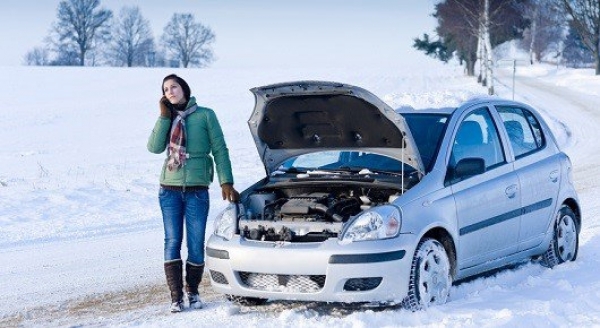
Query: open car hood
294	118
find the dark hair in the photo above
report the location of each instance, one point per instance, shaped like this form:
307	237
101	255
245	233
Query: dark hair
186	88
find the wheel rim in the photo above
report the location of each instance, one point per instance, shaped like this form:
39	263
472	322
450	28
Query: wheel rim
434	277
566	238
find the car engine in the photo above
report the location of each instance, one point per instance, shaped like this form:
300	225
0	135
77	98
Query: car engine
306	214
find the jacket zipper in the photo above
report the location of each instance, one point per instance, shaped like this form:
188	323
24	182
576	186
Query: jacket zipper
184	177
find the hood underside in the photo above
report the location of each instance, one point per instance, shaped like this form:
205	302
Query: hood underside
295	118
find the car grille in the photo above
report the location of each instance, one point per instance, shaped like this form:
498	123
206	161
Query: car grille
283	283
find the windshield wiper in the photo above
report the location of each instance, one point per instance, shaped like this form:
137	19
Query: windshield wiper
352	169
292	170
396	174
367	171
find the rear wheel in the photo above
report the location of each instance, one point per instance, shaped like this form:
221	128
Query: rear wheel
430	278
565	242
246	301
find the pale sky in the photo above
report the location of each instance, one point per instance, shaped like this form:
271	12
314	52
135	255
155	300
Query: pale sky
276	33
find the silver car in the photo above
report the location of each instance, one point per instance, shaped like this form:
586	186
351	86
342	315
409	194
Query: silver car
362	203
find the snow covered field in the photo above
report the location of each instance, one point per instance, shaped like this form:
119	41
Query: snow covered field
80	227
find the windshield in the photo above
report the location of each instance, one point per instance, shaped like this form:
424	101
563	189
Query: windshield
427	130
354	161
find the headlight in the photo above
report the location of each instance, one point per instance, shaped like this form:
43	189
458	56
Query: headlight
381	222
225	222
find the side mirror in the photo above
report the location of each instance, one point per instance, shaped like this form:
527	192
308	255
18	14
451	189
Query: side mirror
464	169
468	167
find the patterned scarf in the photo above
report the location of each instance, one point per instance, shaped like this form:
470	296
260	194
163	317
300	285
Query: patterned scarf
177	140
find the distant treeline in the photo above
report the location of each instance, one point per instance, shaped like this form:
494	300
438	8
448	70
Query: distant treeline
566	31
86	35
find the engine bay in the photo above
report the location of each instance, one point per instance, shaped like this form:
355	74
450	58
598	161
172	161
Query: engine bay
307	214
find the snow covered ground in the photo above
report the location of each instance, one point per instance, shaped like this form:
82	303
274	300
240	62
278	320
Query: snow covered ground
80	228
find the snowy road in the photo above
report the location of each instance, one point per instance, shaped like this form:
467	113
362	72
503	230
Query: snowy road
116	279
70	260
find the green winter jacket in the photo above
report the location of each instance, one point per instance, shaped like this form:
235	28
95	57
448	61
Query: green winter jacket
204	137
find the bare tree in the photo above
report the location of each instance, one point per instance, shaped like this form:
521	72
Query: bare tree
586	21
65	57
575	53
456	32
487	23
546	29
80	25
487	44
463	30
188	41
37	57
132	41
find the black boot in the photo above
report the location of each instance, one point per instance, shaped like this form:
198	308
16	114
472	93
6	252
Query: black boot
173	272
193	277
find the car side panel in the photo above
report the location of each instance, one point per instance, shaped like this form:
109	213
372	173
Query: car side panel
487	215
540	175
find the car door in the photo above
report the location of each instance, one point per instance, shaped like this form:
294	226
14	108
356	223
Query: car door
486	203
538	169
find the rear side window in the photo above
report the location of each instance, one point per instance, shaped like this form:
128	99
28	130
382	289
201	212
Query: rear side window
523	129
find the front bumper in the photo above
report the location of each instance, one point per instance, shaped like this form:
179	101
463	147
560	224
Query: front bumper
369	271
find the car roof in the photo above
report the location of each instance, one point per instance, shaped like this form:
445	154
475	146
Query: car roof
448	110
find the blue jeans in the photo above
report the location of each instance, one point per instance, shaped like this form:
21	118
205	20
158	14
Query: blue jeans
191	208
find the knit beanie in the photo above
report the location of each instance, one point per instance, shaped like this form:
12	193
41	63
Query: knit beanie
184	86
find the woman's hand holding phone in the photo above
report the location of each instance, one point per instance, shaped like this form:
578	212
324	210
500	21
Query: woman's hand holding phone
164	107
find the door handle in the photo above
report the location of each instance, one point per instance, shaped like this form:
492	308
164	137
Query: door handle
511	191
554	176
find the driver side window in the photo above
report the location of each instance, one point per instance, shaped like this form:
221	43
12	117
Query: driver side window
477	138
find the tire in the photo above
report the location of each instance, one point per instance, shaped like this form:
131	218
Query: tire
430	278
246	301
565	240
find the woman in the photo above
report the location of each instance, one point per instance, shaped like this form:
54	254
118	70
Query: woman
190	134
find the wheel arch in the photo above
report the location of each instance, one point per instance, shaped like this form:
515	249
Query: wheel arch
574	206
445	238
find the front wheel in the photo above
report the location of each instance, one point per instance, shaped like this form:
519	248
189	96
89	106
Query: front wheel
565	242
430	278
